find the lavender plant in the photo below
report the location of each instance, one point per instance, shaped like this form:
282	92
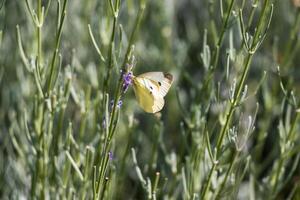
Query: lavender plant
72	129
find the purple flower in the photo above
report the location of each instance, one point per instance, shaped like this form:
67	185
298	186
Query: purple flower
119	104
110	155
127	81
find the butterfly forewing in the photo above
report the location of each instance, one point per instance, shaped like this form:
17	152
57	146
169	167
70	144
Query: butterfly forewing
162	80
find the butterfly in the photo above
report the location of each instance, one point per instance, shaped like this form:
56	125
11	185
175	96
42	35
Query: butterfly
150	89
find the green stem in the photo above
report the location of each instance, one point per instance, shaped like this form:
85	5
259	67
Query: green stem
42	138
111	49
34	178
57	44
218	45
234	103
126	60
209	180
118	92
238	92
241	83
278	170
291	131
281	160
42	149
212	24
291	41
235	155
252	12
221	37
39	36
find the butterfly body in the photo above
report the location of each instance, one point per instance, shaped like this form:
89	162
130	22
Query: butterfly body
150	89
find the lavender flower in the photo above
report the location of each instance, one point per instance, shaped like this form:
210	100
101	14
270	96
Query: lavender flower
127	81
119	104
110	155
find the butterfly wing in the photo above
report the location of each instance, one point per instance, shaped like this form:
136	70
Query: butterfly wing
147	94
163	81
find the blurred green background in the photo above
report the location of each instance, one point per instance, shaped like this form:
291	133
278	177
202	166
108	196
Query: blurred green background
170	38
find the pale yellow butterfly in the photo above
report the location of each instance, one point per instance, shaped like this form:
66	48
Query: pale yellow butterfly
150	89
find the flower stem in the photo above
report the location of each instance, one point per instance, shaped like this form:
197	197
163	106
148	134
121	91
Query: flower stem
118	92
235	155
50	80
218	45
282	158
111	49
238	92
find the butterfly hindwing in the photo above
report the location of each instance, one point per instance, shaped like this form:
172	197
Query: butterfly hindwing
147	94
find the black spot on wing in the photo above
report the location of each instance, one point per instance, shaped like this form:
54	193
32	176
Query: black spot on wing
169	77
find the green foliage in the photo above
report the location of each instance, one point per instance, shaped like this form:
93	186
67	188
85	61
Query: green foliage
229	128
